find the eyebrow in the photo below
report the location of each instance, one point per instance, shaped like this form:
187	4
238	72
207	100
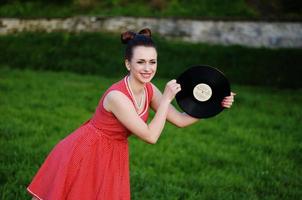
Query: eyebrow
144	60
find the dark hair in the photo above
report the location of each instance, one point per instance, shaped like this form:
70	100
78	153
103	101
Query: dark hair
132	39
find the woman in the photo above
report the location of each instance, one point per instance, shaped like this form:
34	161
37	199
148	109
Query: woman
92	162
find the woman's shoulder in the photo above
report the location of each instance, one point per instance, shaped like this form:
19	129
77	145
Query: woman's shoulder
116	86
114	92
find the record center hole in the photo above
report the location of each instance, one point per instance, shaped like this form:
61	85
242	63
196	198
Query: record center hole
202	92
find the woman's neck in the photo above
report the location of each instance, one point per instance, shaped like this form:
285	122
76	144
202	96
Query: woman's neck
136	86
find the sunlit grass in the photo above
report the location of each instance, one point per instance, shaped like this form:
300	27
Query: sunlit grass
252	151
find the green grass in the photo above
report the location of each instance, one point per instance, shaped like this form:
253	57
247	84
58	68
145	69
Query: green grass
102	53
252	151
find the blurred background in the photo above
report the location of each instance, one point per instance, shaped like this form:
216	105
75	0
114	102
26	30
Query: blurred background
58	57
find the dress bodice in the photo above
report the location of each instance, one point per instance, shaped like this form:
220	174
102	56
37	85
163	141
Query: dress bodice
108	123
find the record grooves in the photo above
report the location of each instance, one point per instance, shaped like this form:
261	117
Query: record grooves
202	91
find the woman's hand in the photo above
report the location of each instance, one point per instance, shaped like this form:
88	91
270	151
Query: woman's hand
228	101
172	88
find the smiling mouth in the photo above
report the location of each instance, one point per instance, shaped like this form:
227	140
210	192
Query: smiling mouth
146	75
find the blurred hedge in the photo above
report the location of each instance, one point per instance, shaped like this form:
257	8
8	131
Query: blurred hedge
101	53
286	10
35	1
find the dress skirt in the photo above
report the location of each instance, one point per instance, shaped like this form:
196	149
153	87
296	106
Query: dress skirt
86	165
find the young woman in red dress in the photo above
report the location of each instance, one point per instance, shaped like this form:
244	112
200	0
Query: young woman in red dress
92	163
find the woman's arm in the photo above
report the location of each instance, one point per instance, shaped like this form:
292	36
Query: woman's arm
182	119
117	103
174	116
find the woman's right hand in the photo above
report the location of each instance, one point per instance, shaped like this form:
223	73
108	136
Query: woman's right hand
172	88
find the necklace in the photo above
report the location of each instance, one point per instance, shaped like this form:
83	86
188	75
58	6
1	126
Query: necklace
137	105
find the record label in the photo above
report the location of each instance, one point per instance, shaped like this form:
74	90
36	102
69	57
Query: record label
202	92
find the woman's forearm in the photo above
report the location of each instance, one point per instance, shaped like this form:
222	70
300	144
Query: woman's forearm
180	119
158	122
186	120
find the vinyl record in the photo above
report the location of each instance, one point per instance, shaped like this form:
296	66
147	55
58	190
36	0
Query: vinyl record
202	90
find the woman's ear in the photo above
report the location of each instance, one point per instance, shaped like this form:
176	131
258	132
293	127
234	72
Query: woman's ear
127	64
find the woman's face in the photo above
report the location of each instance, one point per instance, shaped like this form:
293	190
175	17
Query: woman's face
143	64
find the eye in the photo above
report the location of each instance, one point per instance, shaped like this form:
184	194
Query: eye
153	62
140	62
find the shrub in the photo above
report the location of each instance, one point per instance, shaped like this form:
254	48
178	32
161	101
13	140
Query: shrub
100	53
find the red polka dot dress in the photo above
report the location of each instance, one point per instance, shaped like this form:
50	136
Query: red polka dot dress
92	163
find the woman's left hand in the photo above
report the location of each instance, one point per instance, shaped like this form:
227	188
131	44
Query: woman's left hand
228	101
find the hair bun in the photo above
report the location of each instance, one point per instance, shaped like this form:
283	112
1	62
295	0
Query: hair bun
145	32
127	36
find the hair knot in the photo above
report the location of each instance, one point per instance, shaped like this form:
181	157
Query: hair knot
130	35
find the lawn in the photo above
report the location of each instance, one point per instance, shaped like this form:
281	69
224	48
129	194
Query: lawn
252	151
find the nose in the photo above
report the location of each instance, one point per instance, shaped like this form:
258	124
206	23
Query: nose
147	67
